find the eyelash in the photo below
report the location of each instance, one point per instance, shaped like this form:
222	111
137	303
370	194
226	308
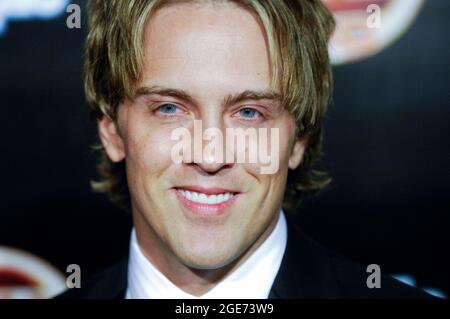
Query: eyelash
168	115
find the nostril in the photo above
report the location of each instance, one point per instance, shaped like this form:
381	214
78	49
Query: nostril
210	168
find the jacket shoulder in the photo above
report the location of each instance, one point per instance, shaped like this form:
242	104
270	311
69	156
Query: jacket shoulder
352	281
310	270
109	283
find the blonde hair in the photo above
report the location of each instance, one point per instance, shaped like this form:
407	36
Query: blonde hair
297	33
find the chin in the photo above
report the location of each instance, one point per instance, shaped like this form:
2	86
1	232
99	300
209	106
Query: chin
206	259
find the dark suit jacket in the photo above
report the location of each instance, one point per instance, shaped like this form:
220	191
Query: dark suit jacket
307	271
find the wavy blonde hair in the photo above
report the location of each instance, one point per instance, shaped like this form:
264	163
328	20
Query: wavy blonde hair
297	34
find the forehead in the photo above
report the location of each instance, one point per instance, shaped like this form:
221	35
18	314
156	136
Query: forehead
193	45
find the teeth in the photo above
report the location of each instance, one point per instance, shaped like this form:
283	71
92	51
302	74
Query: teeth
205	199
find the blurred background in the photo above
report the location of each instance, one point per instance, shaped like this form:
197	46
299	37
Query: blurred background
386	147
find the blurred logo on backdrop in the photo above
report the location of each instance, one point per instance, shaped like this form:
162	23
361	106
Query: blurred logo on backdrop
366	27
25	276
13	10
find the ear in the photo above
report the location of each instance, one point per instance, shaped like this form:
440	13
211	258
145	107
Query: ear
111	140
297	153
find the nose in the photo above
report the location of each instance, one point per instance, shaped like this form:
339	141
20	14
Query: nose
210	151
211	168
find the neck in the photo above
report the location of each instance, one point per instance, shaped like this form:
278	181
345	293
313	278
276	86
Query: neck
191	280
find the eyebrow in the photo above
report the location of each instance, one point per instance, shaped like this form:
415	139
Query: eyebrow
228	100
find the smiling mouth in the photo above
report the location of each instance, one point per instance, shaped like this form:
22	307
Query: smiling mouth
206	201
202	198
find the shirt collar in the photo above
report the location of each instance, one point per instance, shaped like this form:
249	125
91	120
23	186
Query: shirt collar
146	281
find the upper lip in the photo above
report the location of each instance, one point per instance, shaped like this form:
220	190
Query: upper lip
207	190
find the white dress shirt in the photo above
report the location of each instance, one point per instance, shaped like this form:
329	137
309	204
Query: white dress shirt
253	279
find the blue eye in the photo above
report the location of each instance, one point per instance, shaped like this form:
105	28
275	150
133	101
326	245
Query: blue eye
248	113
168	108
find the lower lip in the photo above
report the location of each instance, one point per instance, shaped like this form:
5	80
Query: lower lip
206	209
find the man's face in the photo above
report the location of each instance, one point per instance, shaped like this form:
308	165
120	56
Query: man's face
208	52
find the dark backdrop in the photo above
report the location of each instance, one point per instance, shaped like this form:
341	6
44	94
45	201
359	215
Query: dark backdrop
386	147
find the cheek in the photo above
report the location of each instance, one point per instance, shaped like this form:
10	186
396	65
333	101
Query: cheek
273	150
148	150
285	147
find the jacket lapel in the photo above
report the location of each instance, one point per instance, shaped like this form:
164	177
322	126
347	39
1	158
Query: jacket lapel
111	283
305	270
